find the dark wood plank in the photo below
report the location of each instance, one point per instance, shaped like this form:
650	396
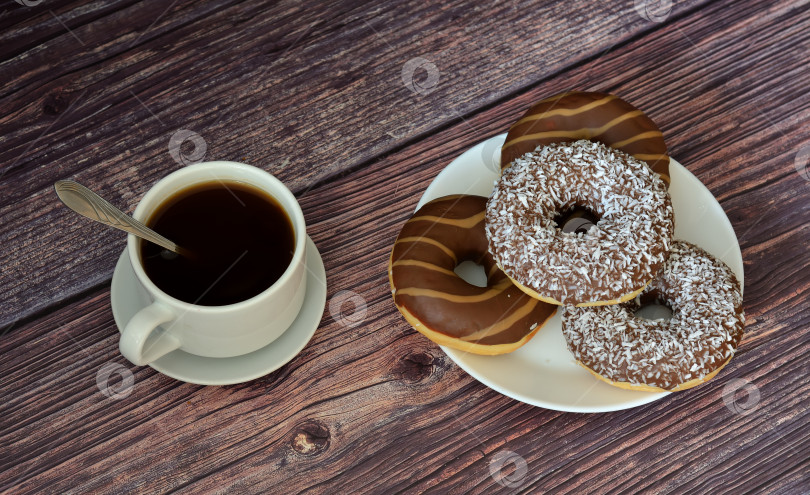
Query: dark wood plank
379	408
96	92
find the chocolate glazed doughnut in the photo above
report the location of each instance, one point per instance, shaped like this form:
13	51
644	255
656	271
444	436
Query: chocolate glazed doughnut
490	320
690	348
608	262
598	117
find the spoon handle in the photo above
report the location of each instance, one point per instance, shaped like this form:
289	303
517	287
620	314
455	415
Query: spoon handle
89	204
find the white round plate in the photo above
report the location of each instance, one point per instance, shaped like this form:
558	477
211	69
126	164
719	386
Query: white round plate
128	297
543	372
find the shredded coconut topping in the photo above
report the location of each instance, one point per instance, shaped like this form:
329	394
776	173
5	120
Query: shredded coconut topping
706	326
615	257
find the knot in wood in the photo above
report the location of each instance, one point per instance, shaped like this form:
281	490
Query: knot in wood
310	438
415	366
55	103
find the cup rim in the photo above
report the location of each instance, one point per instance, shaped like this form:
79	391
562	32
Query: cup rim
296	216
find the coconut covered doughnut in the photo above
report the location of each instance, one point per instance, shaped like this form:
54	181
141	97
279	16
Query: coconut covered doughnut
601	117
614	259
438	303
706	326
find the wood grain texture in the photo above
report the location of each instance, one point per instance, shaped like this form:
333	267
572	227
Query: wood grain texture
95	92
377	408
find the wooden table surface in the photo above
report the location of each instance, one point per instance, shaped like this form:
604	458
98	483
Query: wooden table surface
357	108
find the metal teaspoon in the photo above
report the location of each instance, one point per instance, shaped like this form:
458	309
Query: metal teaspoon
89	204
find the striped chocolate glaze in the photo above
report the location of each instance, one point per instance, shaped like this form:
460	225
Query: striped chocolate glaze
440	235
599	117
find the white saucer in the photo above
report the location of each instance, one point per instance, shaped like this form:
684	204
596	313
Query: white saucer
128	297
543	371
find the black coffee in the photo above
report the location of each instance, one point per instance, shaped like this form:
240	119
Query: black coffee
242	241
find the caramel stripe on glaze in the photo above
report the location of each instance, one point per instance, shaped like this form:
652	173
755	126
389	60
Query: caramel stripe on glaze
587	115
438	303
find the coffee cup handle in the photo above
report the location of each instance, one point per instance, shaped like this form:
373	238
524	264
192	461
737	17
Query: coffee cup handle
137	332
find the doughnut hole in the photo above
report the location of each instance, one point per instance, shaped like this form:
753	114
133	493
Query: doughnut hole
652	306
576	219
473	273
475	265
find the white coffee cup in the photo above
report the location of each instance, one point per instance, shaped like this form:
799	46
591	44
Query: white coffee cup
168	323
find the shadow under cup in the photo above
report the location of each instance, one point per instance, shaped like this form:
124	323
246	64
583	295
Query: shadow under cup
213	317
